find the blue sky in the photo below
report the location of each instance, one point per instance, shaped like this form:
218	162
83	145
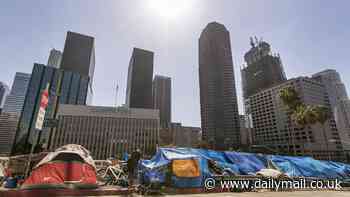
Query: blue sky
310	36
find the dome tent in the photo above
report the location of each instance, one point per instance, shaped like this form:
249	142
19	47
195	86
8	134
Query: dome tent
69	165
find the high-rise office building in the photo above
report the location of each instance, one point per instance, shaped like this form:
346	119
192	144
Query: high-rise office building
54	58
79	57
219	110
79	54
274	129
139	84
334	86
107	131
15	100
8	126
263	69
4	91
65	87
162	99
338	100
342	118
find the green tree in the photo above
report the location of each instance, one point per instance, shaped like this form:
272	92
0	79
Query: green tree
323	114
291	100
303	116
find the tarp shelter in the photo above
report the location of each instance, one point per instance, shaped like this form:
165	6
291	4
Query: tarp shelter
69	165
309	167
161	166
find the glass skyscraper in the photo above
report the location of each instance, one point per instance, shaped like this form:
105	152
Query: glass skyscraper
162	99
79	57
65	87
15	100
218	98
139	84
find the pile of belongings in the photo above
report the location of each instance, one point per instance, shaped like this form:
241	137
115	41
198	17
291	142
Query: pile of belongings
113	174
189	168
70	166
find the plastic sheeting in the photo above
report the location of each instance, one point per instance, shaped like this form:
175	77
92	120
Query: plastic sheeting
247	163
242	164
237	163
185	168
309	167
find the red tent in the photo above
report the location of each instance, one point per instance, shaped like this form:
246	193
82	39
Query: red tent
70	165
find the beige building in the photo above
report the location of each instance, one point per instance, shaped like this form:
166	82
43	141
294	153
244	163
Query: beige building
107	131
186	136
180	136
274	129
339	102
245	131
342	117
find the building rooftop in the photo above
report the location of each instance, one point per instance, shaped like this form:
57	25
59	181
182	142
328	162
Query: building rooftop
104	111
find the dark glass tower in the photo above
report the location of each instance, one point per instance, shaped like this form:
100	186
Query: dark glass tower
139	84
14	102
64	86
79	57
79	54
219	110
162	99
263	69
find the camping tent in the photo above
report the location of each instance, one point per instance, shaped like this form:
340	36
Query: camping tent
68	165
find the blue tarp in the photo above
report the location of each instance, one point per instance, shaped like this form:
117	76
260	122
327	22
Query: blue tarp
239	163
247	163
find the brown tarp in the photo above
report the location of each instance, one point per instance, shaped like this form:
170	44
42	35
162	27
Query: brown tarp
186	168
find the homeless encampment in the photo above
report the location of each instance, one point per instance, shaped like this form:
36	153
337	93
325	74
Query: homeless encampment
188	167
69	165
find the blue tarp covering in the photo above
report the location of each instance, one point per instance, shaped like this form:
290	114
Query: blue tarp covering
239	163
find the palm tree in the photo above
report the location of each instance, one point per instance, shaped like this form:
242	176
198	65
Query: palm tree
291	100
303	116
322	114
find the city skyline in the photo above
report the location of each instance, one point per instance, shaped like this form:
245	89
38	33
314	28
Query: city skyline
303	52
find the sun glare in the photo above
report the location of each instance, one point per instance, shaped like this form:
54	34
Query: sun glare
169	9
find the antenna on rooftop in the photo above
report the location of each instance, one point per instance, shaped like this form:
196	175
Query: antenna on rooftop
252	42
116	96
